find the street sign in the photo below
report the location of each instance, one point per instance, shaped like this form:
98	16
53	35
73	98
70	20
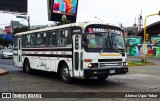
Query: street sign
22	17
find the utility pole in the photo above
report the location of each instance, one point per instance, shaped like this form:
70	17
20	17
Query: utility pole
28	22
140	22
25	17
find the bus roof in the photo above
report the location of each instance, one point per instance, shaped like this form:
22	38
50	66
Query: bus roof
80	24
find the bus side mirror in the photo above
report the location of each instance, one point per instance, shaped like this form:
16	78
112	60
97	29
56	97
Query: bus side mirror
84	42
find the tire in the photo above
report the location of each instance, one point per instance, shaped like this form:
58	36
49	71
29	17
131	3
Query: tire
26	67
102	78
64	74
2	57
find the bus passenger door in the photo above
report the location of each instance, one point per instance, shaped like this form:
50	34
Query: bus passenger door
77	49
19	58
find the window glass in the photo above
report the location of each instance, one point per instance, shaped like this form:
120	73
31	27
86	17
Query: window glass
23	40
32	39
44	35
28	40
41	39
52	38
63	38
38	39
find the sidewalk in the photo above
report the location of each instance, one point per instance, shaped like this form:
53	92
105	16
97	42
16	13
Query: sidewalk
3	72
149	59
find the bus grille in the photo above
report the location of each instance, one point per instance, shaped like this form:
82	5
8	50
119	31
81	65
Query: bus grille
110	64
109	60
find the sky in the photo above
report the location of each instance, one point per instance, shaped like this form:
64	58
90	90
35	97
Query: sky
112	12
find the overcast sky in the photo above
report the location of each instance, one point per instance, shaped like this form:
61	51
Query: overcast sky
110	11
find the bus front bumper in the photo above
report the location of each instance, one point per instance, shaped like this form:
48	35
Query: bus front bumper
95	72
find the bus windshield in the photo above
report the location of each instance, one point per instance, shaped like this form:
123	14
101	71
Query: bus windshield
109	41
118	41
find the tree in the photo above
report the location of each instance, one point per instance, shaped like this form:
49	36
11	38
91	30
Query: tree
5	42
64	21
22	29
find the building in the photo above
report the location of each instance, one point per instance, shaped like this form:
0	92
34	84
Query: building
10	28
152	30
1	31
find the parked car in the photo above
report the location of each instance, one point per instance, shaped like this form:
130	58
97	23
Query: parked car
6	53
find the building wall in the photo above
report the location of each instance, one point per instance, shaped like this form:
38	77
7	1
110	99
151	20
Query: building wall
1	31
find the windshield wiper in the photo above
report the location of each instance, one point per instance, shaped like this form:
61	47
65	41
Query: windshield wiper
115	47
118	50
103	47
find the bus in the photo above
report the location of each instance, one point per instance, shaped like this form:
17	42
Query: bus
77	50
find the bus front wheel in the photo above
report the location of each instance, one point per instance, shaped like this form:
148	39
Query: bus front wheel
64	73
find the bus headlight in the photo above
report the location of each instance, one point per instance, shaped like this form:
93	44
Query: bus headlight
125	63
90	65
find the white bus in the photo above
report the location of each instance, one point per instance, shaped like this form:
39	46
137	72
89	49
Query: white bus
78	50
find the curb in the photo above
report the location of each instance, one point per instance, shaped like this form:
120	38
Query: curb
3	72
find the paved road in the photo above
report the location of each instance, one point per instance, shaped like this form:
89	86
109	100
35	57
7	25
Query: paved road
139	79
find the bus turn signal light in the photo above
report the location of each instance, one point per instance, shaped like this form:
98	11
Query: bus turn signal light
87	60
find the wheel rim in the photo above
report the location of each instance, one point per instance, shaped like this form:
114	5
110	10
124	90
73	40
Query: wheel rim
65	73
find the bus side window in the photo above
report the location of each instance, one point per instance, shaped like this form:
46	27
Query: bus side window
38	39
23	41
32	40
51	38
63	38
43	39
28	40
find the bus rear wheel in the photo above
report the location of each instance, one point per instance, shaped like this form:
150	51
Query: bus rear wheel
102	78
26	67
64	73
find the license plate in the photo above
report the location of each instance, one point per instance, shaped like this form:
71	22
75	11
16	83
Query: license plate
112	71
